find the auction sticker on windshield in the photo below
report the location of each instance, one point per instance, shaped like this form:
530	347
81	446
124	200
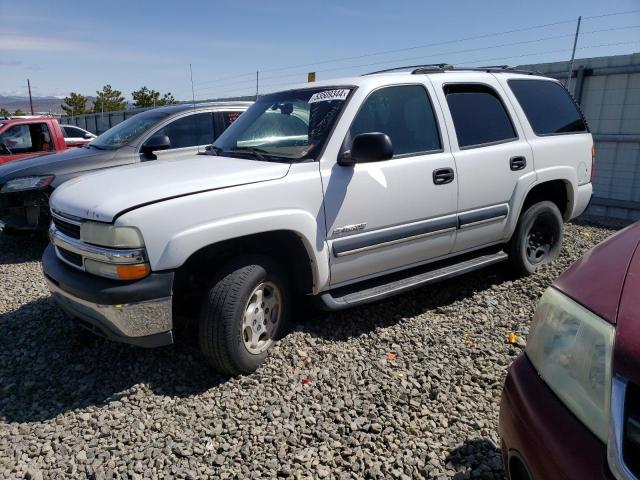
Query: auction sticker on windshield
329	95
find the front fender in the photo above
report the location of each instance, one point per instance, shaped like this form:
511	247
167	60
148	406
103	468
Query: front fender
171	237
185	243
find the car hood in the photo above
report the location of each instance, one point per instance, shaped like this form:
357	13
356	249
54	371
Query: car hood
598	279
627	342
103	195
72	159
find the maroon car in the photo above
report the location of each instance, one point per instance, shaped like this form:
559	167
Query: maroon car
571	403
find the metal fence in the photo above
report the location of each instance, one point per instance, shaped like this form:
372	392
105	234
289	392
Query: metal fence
608	91
101	122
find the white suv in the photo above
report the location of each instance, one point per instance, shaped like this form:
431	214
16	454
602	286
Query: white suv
349	190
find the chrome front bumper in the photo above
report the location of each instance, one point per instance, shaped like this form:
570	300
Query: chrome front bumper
147	323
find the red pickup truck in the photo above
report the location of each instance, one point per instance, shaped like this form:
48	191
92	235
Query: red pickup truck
29	137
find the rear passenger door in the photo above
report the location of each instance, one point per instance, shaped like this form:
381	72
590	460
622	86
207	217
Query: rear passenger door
492	157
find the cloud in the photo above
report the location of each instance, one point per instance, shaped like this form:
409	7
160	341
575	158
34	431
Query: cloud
34	43
10	63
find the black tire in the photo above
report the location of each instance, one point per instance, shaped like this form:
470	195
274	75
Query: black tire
220	331
12	232
537	240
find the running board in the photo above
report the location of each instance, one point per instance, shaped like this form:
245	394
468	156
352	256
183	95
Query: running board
389	285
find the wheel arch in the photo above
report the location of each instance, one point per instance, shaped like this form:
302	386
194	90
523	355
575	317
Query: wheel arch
556	186
558	191
284	246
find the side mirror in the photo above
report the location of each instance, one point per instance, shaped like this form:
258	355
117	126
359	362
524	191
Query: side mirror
368	147
89	136
159	142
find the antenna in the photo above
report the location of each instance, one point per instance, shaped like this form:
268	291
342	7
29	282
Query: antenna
193	94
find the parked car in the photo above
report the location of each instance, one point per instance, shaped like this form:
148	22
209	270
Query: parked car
571	403
25	186
29	137
349	190
76	136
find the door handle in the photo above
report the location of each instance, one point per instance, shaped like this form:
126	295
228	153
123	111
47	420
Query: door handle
517	163
443	175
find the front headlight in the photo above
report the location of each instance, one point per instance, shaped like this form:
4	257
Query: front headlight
571	349
27	183
106	235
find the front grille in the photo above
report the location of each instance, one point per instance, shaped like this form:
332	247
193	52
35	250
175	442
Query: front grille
67	228
631	434
70	257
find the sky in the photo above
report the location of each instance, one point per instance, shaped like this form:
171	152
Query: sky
80	46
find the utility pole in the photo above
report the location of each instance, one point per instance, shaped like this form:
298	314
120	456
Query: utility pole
30	99
257	83
573	54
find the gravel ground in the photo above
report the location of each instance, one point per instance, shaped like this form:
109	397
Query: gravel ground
407	388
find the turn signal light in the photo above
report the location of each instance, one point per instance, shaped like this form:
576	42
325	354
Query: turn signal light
133	272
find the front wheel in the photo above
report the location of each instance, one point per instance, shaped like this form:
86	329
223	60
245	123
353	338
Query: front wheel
243	313
538	238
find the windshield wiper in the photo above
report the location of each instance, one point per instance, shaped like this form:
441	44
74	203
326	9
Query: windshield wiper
257	152
214	150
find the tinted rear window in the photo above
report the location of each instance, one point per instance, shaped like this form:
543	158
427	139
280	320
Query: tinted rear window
478	115
548	107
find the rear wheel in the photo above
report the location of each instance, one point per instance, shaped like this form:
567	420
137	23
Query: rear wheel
243	313
538	238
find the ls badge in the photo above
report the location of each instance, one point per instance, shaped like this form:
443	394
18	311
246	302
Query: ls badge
349	228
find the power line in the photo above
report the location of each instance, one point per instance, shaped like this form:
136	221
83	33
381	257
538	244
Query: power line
442	55
397	50
471	62
415	47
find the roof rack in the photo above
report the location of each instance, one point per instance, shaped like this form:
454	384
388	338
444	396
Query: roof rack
445	67
432	67
501	68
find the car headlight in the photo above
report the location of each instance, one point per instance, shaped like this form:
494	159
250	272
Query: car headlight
106	235
571	348
27	183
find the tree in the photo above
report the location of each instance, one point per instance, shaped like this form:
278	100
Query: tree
75	104
18	113
4	112
109	100
146	97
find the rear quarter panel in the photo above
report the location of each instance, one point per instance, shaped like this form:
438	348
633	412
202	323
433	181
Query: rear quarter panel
564	157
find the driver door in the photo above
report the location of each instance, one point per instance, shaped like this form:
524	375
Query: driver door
392	214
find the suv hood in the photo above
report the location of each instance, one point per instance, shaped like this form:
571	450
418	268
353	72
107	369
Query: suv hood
55	163
103	195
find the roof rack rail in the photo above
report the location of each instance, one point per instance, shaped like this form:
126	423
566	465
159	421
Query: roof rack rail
500	68
431	67
445	67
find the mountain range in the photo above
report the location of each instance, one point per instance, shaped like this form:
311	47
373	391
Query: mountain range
40	104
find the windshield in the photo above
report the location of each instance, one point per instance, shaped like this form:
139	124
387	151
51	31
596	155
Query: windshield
128	130
292	125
